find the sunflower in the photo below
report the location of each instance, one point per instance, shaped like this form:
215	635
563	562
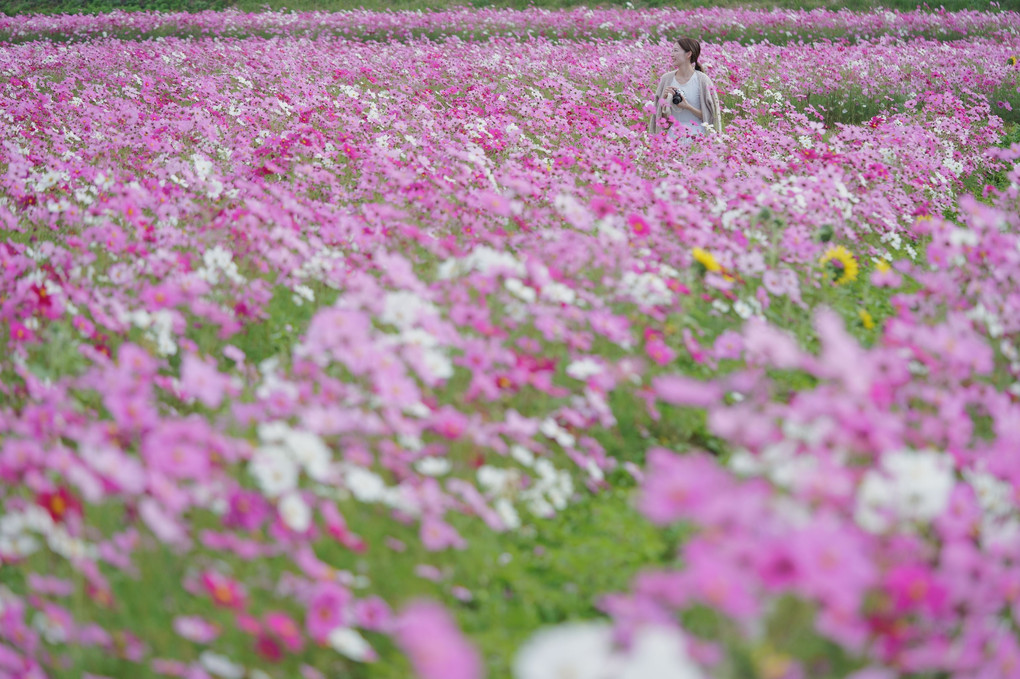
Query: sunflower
705	259
1011	61
866	320
843	262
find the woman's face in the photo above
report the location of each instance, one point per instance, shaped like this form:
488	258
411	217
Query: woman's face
680	55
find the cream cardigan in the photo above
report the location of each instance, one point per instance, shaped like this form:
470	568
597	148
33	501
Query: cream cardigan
709	102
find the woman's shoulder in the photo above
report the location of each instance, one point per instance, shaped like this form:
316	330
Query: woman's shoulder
667	76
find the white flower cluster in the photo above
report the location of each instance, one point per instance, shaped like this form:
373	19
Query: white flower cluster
319	265
277	464
483	260
19	531
583	368
646	288
906	486
549	491
1000	522
367	486
284	452
159	329
550	428
521	291
203	170
432	466
404	310
272	381
501	484
218	263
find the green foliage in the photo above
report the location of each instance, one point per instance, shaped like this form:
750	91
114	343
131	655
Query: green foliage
552	571
13	7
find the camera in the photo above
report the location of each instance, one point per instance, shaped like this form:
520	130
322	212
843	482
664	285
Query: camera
677	98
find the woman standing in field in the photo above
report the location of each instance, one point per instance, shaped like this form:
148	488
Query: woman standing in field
686	96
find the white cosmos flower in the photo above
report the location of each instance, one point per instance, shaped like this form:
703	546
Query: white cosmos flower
520	290
585	650
295	512
557	292
220	665
365	485
311	451
349	642
579	650
906	486
505	509
433	466
403	308
437	364
659	651
522	455
584	368
274	470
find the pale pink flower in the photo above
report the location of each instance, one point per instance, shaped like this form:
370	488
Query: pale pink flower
430	638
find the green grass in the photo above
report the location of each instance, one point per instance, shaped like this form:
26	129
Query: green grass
13	7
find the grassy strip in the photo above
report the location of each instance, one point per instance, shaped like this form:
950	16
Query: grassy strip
745	35
14	7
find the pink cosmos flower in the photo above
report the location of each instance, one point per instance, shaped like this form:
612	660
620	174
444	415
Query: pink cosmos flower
61	504
430	638
436	535
247	510
680	390
201	380
449	422
659	352
49	585
178	448
224	591
337	527
326	610
20	334
676	485
197	629
728	345
637	225
373	614
162	523
268	647
913	587
11	661
283	627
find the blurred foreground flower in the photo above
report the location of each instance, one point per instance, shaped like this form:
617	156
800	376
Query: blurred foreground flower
429	636
586	650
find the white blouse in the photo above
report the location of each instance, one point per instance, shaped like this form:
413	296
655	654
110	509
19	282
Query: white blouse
692	93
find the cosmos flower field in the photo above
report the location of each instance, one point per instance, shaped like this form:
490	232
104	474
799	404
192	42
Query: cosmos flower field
392	345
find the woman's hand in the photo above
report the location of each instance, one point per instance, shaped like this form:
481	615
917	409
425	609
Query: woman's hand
683	105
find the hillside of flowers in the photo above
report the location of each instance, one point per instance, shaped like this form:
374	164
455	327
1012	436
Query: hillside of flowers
712	24
376	346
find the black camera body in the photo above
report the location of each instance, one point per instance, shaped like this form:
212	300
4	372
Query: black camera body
677	98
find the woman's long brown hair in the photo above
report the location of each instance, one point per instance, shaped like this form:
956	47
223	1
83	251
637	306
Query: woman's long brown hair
694	47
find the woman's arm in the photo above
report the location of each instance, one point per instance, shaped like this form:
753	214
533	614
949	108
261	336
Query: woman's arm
713	104
696	111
